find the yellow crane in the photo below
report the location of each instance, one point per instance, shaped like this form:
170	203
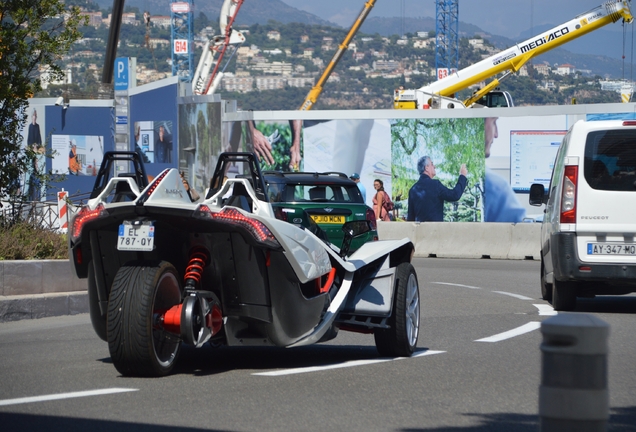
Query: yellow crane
441	94
314	93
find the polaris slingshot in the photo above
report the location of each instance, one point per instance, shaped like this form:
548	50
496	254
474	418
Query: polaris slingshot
228	268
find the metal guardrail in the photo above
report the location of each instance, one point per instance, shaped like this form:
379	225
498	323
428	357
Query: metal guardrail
40	213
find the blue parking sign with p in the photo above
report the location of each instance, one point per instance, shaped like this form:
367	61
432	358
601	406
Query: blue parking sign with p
121	73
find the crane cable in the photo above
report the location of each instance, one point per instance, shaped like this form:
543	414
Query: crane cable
147	37
631	63
623	54
631	59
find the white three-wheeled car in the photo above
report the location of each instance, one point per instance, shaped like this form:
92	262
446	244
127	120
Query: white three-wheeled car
165	270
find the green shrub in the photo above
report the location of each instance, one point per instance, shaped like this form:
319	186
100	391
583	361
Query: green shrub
23	241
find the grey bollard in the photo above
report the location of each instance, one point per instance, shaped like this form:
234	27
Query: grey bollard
573	395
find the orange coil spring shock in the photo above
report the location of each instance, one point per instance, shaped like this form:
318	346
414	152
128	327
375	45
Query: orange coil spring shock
199	258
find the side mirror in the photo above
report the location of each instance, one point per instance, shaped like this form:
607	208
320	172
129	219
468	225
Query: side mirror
351	230
538	195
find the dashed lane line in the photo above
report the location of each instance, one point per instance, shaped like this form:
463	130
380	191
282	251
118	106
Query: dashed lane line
458	285
59	396
526	328
352	363
518	296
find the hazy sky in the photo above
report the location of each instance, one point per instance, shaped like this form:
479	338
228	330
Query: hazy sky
500	17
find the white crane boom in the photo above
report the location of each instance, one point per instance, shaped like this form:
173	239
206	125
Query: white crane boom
204	81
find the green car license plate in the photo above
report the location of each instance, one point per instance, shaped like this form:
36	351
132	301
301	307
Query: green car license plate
328	219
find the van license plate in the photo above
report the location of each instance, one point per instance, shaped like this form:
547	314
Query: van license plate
611	249
135	237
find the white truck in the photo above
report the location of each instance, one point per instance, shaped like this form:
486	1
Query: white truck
441	93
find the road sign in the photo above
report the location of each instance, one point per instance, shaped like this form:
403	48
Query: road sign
122	72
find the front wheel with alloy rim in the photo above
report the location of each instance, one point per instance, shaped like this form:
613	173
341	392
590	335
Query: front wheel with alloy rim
400	339
138	344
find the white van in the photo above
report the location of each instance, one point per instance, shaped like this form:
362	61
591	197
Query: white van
588	234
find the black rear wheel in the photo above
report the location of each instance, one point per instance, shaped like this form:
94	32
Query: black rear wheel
546	288
563	295
401	338
137	343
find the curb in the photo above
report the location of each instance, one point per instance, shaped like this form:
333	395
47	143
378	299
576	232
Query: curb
34	306
32	289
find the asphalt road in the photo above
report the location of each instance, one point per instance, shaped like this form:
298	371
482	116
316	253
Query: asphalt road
477	369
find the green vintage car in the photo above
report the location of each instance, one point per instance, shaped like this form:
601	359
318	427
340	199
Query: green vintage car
330	199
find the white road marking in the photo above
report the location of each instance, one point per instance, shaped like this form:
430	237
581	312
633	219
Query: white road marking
526	328
459	285
352	363
520	297
58	396
545	309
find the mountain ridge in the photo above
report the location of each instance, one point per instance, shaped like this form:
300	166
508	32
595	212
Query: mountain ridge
599	47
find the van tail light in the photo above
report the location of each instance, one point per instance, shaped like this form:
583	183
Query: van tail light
568	194
371	218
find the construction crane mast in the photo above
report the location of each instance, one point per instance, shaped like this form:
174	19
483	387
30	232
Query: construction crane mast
446	37
182	39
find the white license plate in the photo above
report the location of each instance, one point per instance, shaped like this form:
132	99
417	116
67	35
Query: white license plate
135	237
611	249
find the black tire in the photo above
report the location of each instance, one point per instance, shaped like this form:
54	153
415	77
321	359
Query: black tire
546	288
97	318
563	295
400	339
138	346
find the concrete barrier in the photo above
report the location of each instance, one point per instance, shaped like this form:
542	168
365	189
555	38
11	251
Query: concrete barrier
467	240
525	241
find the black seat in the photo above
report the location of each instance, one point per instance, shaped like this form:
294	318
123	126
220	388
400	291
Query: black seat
318	193
240	198
599	169
123	192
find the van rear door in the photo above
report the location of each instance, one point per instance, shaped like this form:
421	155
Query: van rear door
606	196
